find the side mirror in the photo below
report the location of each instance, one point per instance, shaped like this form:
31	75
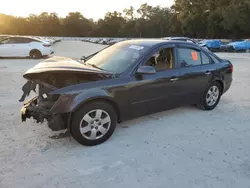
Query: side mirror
146	70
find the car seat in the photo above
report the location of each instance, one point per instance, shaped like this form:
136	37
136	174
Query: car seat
165	60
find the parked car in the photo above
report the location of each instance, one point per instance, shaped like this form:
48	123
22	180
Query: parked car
240	46
105	41
24	47
212	45
126	80
111	42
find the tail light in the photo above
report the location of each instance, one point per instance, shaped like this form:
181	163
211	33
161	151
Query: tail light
231	68
46	45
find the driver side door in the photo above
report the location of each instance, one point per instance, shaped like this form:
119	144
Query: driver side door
7	48
156	92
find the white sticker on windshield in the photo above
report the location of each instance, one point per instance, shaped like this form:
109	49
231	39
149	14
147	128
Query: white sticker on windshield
136	47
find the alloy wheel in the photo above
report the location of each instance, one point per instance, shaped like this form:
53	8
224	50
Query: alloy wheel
212	95
95	124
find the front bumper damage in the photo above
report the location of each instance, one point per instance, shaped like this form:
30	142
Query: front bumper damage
31	109
39	109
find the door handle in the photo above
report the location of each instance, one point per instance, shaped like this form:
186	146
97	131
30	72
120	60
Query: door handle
207	72
174	79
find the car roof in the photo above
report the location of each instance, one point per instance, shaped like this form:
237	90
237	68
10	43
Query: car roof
176	38
35	38
22	37
154	42
181	38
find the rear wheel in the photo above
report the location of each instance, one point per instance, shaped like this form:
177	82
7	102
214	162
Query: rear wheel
93	123
35	54
247	50
211	97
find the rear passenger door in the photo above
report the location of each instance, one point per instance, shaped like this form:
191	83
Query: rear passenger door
22	46
195	72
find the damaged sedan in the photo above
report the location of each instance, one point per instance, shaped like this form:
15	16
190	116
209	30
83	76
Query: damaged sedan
126	80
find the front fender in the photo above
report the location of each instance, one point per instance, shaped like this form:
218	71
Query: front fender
70	102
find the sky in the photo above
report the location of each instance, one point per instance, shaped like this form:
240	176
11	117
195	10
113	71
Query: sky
89	8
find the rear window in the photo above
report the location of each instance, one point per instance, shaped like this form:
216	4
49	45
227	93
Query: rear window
215	58
26	40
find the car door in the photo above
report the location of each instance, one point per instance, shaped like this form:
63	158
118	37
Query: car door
195	72
12	47
3	49
155	92
22	46
6	47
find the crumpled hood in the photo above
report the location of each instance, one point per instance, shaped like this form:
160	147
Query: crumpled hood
62	64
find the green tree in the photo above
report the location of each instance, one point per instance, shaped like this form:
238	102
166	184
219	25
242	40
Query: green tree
75	24
193	18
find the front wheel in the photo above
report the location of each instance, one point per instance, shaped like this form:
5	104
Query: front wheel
211	97
93	123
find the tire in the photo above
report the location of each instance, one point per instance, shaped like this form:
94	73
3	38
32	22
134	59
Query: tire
35	54
247	50
208	102
89	130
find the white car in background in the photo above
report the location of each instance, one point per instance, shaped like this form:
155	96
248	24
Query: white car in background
25	47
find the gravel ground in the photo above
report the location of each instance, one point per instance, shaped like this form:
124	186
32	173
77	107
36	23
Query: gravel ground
185	147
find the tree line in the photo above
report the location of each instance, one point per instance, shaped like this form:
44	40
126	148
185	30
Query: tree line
192	18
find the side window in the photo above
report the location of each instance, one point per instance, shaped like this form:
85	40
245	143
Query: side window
13	41
205	58
28	40
189	57
22	40
9	41
162	60
5	41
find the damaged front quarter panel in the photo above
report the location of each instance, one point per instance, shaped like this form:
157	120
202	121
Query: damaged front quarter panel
55	108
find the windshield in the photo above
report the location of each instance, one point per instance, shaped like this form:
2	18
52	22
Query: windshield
117	58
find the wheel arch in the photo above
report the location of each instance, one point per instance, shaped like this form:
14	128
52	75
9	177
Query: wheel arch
100	99
201	103
34	50
221	84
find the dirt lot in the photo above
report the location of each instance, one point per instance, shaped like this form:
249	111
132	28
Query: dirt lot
180	148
